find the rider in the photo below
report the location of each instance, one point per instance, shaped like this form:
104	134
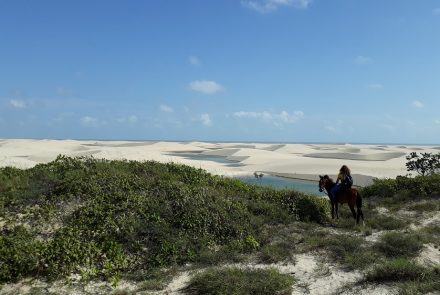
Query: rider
345	179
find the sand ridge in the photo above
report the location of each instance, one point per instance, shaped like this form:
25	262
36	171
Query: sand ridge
304	161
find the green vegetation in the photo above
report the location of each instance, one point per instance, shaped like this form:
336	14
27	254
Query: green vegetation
403	188
144	222
349	250
396	244
412	277
400	269
119	217
423	164
237	281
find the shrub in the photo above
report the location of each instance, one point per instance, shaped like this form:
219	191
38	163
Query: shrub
380	188
310	208
400	269
395	244
384	222
19	254
131	216
240	282
423	164
404	188
346	249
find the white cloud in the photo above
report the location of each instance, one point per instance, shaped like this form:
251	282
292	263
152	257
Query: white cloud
417	104
376	86
207	87
267	6
436	11
166	109
16	103
362	60
130	119
206	120
194	61
276	118
88	121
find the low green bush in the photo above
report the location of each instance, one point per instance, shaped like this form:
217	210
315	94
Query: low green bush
400	269
311	208
385	222
397	244
346	249
130	216
404	188
19	254
226	281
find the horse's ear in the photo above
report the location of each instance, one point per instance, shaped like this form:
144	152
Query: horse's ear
320	176
326	176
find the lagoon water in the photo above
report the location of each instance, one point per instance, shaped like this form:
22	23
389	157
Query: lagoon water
309	187
201	157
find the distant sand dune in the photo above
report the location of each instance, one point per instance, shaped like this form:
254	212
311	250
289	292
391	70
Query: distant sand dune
128	144
85	153
273	148
221	152
291	160
358	157
239	146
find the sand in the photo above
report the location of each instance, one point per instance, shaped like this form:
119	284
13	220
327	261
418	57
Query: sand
302	161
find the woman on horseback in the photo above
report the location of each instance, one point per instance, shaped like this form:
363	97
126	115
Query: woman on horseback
344	181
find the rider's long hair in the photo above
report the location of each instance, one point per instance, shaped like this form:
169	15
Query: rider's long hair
345	170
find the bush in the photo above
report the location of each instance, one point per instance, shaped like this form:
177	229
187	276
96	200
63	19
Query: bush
384	222
381	188
130	216
310	208
400	269
19	253
240	282
395	244
423	164
404	188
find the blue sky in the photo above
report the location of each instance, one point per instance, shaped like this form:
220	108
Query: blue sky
221	70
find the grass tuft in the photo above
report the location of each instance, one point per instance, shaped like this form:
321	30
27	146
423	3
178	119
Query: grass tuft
240	282
396	244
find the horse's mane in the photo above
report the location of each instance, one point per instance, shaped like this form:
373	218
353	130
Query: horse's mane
328	177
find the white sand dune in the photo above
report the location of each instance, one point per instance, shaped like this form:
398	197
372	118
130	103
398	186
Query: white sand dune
305	161
349	156
273	147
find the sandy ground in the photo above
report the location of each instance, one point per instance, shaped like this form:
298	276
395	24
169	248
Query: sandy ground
303	161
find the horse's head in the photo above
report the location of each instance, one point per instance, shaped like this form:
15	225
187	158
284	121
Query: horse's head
324	182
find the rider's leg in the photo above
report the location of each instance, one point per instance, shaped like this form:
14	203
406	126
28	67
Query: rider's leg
333	192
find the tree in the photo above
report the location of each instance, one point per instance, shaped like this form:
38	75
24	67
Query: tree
423	164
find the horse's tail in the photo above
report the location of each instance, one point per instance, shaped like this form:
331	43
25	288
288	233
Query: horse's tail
358	200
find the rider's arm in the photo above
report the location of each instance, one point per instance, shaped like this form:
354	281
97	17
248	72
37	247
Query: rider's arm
339	178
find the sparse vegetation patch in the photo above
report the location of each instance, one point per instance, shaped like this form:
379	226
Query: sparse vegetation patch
225	281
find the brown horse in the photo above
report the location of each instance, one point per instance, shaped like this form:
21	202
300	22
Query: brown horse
350	196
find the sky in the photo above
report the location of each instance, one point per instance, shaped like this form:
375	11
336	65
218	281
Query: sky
340	71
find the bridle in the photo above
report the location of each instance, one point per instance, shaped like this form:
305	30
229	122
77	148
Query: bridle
322	183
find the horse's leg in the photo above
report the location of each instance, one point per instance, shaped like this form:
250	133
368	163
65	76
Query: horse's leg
333	210
354	213
336	209
360	215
